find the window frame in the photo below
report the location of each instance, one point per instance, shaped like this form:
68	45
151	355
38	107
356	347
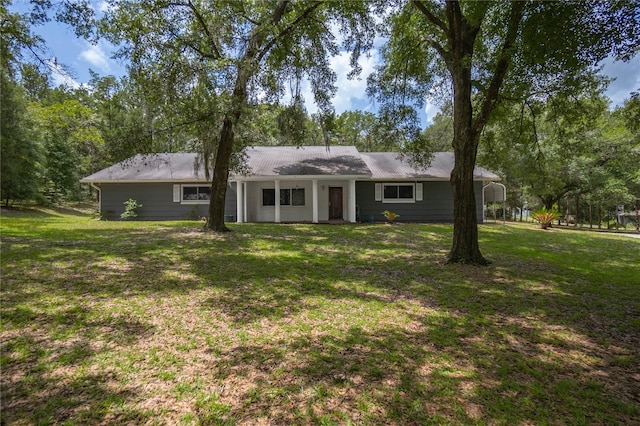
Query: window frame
399	200
289	197
198	200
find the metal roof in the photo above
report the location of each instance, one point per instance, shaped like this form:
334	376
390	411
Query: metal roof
152	167
305	161
390	165
272	161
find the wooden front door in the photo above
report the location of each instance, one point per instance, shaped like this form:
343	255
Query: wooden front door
335	202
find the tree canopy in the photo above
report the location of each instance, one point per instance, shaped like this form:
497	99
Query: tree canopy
490	52
230	56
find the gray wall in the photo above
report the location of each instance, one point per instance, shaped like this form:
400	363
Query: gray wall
437	204
157	201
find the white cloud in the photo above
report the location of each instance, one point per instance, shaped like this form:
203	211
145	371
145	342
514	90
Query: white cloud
627	79
350	91
104	6
60	76
96	56
430	111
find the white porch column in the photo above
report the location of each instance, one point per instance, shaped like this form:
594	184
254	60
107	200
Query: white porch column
239	201
314	202
352	201
245	217
277	206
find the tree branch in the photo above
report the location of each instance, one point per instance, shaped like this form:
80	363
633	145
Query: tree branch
205	28
430	16
285	31
502	66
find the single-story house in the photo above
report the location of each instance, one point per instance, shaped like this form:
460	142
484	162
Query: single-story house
289	184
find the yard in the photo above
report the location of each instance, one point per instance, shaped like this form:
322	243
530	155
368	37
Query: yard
159	323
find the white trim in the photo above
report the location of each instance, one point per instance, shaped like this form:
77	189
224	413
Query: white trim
314	200
358	178
239	202
277	202
290	205
194	181
352	201
197	185
419	193
177	193
285	178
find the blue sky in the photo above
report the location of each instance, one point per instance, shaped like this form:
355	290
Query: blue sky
78	56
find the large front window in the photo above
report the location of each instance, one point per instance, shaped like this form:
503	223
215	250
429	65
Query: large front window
288	197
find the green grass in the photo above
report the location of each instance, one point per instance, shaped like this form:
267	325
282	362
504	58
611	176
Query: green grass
132	322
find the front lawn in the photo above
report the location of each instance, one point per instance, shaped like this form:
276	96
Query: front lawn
133	322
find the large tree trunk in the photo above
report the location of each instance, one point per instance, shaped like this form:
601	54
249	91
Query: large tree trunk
466	136
465	247
247	67
215	221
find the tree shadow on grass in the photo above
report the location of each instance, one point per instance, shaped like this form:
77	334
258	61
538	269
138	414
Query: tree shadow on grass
401	376
521	341
49	370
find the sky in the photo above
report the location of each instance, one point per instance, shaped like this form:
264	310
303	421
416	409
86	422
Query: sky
78	56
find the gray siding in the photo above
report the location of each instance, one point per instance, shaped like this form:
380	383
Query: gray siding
157	201
437	204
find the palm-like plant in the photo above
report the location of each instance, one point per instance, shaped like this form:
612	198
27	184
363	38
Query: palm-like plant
545	216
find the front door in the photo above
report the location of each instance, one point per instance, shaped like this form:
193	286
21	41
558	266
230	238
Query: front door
335	202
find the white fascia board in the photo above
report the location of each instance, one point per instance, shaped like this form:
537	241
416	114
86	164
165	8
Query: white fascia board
296	178
406	179
146	181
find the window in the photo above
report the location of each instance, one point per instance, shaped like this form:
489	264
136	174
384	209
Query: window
297	197
288	197
398	193
196	194
268	197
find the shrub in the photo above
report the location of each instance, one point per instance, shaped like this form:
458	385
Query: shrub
391	216
545	217
131	207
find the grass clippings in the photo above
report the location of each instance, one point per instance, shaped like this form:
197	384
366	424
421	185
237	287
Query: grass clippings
157	322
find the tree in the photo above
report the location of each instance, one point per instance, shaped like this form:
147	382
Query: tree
570	147
237	52
491	51
73	145
21	151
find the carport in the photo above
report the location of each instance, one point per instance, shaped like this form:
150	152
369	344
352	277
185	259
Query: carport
494	192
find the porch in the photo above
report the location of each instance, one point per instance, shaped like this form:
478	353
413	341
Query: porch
296	199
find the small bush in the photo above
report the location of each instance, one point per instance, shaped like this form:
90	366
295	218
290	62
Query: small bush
391	216
545	217
131	207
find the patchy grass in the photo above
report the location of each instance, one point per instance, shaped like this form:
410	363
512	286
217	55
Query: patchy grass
130	322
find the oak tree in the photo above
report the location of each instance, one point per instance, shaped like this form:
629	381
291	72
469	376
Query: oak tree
238	53
487	52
